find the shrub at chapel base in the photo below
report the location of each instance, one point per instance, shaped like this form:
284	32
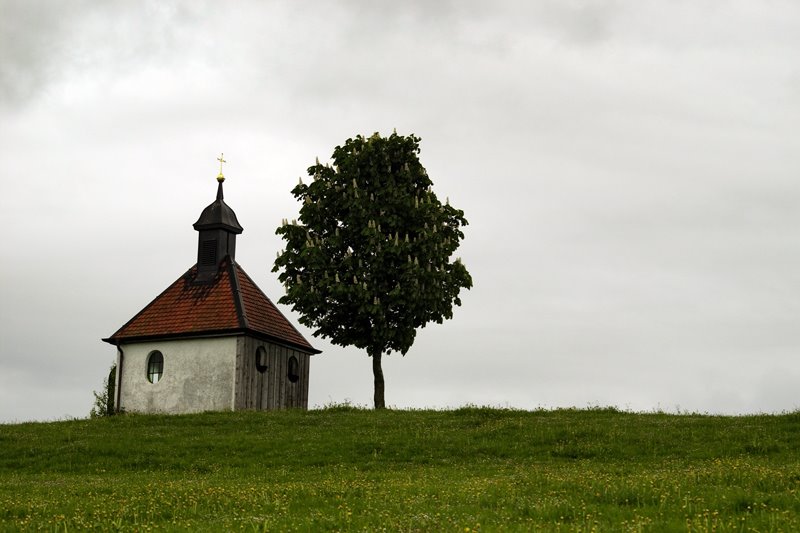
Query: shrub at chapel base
371	258
104	400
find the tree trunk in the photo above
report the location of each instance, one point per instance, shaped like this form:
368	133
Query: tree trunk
377	373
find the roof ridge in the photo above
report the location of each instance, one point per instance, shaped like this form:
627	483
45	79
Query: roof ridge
289	322
237	293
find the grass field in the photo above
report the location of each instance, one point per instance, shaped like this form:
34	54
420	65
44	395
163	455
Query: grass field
345	469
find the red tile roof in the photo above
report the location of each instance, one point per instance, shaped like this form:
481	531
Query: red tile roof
230	303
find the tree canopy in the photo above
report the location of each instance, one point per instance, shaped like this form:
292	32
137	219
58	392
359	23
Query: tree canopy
371	258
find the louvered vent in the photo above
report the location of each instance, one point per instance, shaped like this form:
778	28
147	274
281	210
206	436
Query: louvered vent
208	253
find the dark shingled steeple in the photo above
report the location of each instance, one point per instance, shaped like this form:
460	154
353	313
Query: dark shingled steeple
218	228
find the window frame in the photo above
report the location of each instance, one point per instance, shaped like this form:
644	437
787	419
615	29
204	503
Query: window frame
293	369
261	360
155	360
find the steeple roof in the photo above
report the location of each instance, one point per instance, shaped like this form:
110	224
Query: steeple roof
230	304
218	215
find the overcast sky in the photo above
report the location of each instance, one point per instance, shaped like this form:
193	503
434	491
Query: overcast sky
629	170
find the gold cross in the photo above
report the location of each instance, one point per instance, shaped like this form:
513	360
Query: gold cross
221	160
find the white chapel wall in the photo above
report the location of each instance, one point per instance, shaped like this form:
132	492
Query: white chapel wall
198	376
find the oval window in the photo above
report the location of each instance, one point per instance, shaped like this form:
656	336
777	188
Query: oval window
155	366
294	370
261	359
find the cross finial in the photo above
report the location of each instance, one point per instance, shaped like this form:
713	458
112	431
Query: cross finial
221	178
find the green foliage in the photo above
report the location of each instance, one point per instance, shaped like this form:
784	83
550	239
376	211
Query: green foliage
104	400
371	259
475	468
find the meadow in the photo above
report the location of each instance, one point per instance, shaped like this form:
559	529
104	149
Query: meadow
349	469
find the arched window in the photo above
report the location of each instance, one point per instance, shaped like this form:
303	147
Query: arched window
294	370
261	359
155	366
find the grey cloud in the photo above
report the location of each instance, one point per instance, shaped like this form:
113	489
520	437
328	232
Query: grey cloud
42	42
628	171
29	33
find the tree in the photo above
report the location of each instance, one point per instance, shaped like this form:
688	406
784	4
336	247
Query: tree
369	261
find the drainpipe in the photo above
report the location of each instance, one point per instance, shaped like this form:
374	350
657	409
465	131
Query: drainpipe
118	391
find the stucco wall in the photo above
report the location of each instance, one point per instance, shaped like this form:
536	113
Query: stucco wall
198	376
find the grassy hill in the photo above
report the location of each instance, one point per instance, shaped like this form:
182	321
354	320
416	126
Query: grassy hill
354	470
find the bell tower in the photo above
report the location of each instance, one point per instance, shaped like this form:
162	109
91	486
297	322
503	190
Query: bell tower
217	228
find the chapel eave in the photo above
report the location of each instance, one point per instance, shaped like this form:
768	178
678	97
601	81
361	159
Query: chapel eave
118	341
229	304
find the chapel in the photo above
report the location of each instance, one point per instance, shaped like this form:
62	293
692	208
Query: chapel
212	341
